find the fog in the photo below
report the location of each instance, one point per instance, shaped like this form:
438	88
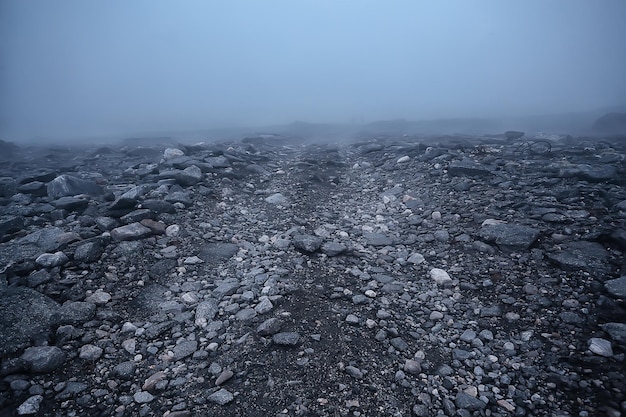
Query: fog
72	68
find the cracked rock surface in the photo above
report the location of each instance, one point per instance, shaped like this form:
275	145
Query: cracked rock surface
458	276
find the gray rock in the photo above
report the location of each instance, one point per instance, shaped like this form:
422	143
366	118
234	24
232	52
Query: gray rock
189	176
277	199
399	344
67	185
226	288
616	287
11	225
264	305
74	313
25	315
600	347
39	277
440	276
333	248
184	349
377	239
286	338
88	252
43	359
307	243
491	311
245	314
223	377
50	260
30	406
468	168
143	397
596	173
214	253
588	256
617	331
131	231
205	312
221	397
90	352
467	402
179	197
124	370
354	372
269	327
510	237
70	203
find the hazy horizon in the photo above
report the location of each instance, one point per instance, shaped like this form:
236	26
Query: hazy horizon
71	68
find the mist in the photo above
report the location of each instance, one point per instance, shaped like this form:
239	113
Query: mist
76	68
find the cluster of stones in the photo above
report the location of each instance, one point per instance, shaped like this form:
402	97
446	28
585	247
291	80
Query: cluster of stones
409	276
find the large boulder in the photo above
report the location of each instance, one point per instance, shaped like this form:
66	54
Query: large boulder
67	185
25	316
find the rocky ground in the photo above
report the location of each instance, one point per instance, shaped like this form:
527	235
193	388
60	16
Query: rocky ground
458	276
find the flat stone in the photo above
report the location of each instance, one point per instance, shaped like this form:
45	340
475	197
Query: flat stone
588	256
74	313
143	397
286	338
184	349
617	331
217	252
26	315
600	347
377	239
616	287
133	231
70	203
67	185
399	343
245	314
221	397
333	248
469	169
510	237
467	402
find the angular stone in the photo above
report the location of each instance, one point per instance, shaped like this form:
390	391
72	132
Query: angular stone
67	185
469	169
131	231
205	312
588	256
600	347
74	313
44	359
70	203
617	331
189	176
30	406
286	338
90	352
616	287
377	239
269	327
143	397
307	243
467	402
217	252
124	370
264	305
88	252
184	349
333	248
511	237
221	397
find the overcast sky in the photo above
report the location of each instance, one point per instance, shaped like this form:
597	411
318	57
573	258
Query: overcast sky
96	67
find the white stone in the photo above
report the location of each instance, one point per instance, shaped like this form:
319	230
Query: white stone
600	347
171	153
416	258
172	230
440	276
404	159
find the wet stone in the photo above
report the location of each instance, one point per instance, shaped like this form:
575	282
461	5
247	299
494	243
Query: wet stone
616	287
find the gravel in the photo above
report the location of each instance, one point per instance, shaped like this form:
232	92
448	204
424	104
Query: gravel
457	275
